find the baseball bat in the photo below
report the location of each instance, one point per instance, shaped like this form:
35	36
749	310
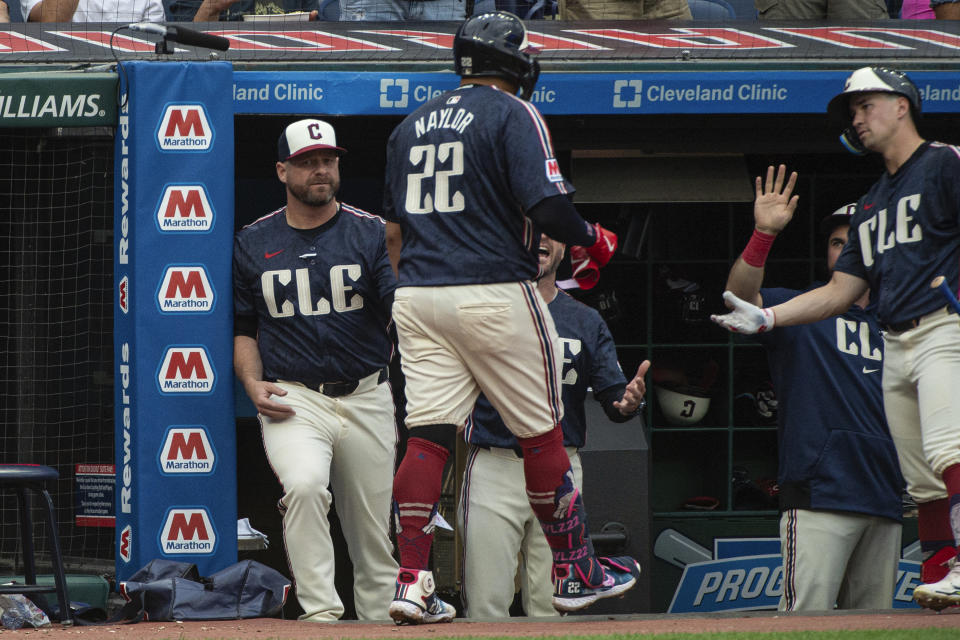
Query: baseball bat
940	284
679	550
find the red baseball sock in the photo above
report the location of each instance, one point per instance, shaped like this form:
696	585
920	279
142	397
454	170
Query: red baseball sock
936	538
951	478
557	504
545	465
416	492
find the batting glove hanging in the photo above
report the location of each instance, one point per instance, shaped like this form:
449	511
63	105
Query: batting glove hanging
744	317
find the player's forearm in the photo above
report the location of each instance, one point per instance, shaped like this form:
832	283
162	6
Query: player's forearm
831	299
246	360
745	280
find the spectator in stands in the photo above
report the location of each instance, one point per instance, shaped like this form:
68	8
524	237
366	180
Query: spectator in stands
946	9
624	10
216	10
821	9
917	10
92	11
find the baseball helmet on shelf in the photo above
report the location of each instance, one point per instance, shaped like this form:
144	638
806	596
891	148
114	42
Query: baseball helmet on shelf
682	392
870	80
495	44
682	404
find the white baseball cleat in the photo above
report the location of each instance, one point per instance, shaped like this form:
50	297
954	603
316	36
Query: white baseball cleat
416	602
942	594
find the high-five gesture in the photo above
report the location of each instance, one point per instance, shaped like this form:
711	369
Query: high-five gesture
775	203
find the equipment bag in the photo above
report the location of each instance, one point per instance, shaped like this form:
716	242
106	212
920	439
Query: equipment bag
169	590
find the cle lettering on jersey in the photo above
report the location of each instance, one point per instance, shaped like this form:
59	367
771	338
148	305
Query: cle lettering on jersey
277	281
905	229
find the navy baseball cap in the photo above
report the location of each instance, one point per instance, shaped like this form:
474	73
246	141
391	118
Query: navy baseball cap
838	218
306	135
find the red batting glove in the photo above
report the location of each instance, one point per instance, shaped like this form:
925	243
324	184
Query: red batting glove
585	271
603	249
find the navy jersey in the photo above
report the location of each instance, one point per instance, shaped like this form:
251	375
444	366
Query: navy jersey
589	361
835	450
462	170
906	231
322	298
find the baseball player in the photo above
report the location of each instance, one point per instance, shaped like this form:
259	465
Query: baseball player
839	478
906	231
496	522
471	181
312	292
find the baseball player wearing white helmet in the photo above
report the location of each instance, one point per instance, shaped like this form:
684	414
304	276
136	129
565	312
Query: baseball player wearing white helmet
497	524
312	292
838	474
472	180
905	233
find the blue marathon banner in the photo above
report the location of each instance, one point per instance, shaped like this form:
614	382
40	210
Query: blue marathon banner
700	92
176	435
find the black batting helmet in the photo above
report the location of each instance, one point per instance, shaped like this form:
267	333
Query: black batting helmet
495	44
870	80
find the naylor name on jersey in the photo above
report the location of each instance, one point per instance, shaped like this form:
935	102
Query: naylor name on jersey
444	118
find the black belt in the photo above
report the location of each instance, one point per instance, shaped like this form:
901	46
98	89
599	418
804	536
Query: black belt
339	389
906	325
516	450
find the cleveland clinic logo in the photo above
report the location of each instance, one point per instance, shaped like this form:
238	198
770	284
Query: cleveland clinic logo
394	93
185	127
627	94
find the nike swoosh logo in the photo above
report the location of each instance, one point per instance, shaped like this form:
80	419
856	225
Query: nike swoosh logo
609	244
865	370
868	206
275	253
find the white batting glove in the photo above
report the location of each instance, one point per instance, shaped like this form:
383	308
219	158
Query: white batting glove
744	317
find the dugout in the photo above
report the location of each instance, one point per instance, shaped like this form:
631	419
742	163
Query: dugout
659	126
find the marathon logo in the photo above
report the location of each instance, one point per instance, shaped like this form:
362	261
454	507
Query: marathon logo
552	168
186	370
185	127
188	531
184	208
187	450
123	294
125	544
185	289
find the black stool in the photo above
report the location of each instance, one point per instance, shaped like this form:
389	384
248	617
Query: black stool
34	477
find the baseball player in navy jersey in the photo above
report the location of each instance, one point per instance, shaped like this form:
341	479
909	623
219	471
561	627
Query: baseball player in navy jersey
906	231
312	292
839	478
472	180
496	522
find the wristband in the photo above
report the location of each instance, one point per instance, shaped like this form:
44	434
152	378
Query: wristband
755	254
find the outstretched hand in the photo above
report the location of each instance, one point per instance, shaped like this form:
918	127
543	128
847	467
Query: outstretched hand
744	317
775	203
633	394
